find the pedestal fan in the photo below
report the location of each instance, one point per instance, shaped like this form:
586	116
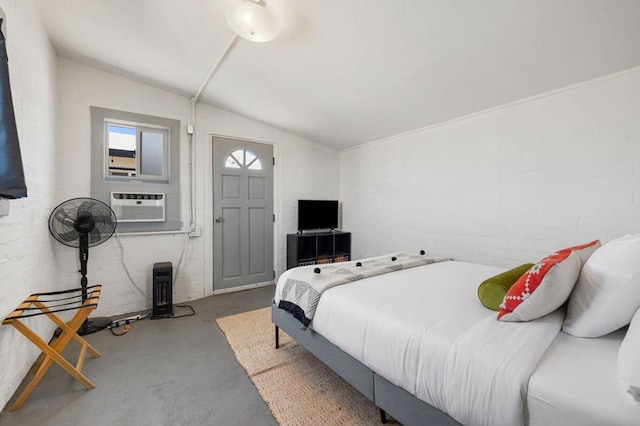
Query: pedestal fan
82	223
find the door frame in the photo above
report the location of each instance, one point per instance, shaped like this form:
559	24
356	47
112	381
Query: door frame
208	214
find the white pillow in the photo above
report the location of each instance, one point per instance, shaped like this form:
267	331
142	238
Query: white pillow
607	293
629	359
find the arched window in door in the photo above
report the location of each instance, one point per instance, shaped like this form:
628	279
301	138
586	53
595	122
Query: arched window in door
243	158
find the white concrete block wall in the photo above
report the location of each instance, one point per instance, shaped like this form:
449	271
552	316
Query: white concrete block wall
80	87
305	172
27	260
506	186
303	169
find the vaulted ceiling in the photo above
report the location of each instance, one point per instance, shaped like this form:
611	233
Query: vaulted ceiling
343	73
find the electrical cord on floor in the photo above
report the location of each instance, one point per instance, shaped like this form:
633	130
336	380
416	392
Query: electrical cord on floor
127	323
125	330
175	277
193	312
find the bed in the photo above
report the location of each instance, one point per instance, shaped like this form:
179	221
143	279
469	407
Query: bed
419	344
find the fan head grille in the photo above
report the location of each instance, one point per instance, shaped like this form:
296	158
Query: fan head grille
79	216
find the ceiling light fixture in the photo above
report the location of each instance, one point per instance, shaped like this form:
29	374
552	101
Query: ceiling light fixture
252	20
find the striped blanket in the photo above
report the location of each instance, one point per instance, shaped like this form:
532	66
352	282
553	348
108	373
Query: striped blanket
303	287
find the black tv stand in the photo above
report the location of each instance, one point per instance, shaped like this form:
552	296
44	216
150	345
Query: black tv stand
330	231
318	248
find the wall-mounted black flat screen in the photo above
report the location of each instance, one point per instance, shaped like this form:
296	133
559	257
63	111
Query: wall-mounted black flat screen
317	214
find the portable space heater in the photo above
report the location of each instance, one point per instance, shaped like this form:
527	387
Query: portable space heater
162	290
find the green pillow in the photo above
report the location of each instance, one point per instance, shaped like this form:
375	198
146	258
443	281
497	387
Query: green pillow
492	290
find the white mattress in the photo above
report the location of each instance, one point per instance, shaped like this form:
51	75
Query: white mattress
575	385
405	325
430	307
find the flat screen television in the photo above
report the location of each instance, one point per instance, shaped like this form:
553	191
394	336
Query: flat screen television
317	214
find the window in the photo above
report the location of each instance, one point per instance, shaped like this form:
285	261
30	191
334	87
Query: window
133	153
243	158
136	151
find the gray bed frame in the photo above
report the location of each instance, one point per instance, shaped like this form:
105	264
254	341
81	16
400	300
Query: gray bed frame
399	403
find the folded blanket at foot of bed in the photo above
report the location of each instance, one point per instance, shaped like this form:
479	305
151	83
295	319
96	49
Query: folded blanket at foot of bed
304	286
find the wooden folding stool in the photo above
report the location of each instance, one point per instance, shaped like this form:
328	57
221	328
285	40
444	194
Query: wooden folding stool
47	304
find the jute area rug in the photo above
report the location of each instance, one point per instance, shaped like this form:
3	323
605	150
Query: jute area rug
297	387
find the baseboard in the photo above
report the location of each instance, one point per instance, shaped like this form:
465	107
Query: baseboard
242	287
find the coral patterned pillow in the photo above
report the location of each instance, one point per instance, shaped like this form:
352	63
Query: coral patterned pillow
585	251
543	288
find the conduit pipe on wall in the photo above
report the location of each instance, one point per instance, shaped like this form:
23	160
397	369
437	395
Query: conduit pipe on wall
196	97
192	130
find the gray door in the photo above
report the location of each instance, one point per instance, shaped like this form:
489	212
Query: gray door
243	213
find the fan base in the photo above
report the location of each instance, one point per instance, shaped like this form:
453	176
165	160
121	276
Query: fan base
91	325
94	324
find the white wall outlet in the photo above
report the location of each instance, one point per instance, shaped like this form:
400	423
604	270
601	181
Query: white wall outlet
4	207
195	231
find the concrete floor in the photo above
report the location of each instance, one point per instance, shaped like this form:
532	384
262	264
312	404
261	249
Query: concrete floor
178	371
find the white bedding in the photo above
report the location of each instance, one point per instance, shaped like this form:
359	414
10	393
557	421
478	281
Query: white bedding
488	369
424	330
575	384
395	323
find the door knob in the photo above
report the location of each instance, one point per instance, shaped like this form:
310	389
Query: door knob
219	219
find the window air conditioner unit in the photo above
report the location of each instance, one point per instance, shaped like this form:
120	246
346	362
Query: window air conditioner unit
138	206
